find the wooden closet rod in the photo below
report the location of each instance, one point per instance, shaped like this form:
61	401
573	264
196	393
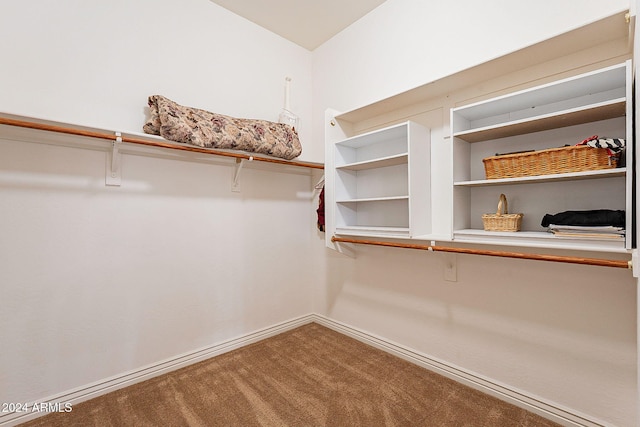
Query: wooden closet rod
539	257
134	140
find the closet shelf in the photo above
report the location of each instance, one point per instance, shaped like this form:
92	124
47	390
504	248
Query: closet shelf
377	163
379	181
591	113
574	107
373	199
140	139
373	231
540	239
573	176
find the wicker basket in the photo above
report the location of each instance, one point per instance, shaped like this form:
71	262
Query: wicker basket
502	221
575	158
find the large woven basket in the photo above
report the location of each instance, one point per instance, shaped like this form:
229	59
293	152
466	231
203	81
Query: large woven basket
575	158
502	220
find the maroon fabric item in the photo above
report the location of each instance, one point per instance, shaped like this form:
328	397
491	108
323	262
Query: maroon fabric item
320	211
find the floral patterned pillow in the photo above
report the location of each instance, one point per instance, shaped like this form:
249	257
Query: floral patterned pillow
205	129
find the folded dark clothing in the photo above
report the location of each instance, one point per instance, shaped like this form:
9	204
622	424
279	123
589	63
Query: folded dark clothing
597	217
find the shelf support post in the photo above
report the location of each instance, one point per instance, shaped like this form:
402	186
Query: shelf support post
113	176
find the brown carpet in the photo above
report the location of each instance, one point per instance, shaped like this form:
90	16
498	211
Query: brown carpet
309	376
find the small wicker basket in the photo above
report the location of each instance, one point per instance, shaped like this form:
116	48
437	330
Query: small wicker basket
502	221
575	158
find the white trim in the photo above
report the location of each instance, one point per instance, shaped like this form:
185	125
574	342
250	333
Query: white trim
90	391
522	399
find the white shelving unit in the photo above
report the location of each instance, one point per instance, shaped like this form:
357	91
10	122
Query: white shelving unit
399	194
381	183
552	115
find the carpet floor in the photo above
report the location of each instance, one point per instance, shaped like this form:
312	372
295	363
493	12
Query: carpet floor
308	376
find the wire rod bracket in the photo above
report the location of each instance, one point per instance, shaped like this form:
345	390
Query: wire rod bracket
113	176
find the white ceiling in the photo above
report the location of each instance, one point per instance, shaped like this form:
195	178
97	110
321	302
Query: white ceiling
308	23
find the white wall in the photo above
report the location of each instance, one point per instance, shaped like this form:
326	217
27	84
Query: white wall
98	281
564	333
95	63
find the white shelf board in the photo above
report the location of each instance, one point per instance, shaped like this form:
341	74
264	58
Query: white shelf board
391	133
602	81
574	116
540	239
373	199
572	176
136	143
398	159
371	231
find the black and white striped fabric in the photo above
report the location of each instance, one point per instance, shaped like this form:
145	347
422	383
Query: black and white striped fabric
614	145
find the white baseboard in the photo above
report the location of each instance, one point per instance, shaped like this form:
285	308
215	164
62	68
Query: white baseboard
516	397
107	385
546	409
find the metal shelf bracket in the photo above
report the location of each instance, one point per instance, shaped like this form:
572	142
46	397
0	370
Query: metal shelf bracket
113	176
235	185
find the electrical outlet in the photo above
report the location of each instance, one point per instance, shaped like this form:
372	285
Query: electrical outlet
450	268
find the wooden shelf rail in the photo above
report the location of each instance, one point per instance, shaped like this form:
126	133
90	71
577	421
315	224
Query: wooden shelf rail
142	141
538	257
